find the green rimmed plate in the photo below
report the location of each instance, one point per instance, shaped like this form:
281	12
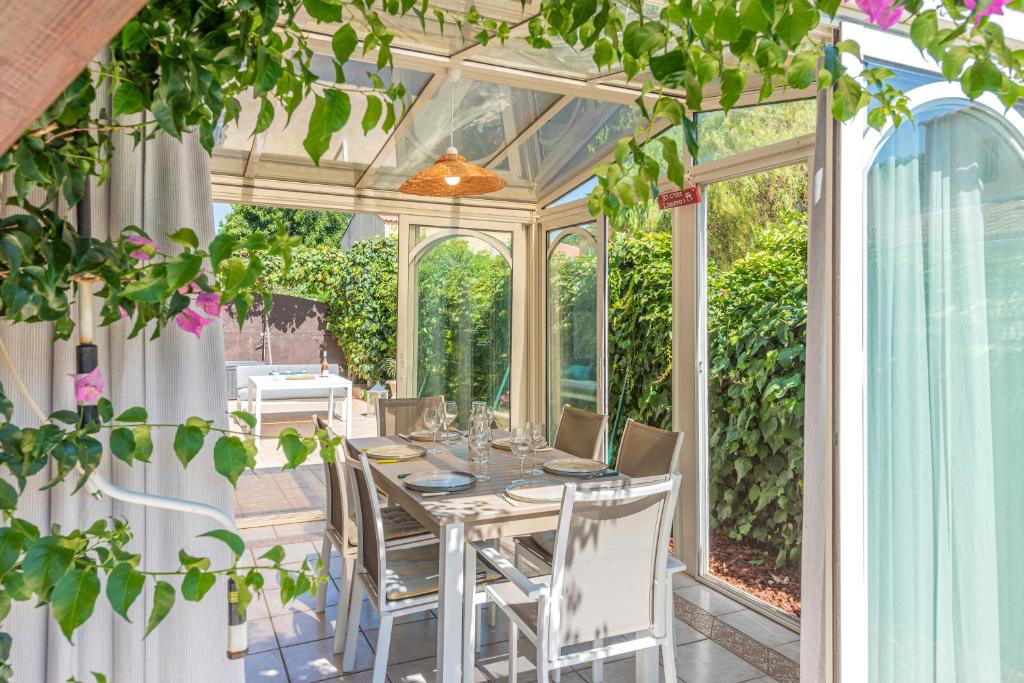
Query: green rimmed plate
397	452
535	490
574	467
440	481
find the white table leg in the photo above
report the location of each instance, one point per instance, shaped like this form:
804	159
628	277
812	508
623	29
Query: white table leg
469	627
450	607
259	413
348	412
330	407
647	665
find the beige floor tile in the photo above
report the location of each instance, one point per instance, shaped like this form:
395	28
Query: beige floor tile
618	671
369	619
265	667
760	628
708	662
285	530
261	635
790	650
316	661
259	533
302	603
294	628
409	642
682	580
683	633
709	600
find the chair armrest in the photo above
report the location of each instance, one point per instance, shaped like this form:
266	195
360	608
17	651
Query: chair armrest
508	570
675	566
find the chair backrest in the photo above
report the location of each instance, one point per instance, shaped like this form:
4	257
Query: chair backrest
581	433
646	451
610	557
402	415
337	491
368	519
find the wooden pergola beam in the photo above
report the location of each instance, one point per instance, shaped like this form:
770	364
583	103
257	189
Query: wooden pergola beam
43	47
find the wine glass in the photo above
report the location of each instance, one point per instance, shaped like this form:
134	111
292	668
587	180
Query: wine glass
432	420
538	439
519	441
450	412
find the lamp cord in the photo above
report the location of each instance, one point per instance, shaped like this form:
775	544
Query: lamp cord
451	116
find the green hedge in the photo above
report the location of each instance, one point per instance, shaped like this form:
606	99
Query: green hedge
757	328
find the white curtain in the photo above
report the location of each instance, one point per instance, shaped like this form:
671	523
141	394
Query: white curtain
934	539
159	185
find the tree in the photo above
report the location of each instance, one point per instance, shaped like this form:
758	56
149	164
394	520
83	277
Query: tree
314	228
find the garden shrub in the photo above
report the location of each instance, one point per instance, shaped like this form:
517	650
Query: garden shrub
757	326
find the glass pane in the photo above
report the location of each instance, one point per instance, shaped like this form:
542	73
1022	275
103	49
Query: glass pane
576	137
572	340
486	117
559	60
463	325
639	320
756	236
945	419
720	135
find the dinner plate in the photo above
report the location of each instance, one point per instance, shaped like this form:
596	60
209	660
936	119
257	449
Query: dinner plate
574	467
535	490
440	481
427	435
397	452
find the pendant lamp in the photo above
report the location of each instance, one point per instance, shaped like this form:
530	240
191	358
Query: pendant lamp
452	175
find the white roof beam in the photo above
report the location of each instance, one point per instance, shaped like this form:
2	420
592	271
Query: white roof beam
519	30
549	113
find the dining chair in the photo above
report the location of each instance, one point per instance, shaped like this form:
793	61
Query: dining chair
341	534
581	433
403	415
610	579
644	451
397	580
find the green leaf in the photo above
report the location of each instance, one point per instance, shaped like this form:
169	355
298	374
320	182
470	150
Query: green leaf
229	538
230	457
323	10
135	414
188	441
73	599
275	555
163	600
128	99
143	442
754	16
733	81
265	116
953	62
133	38
924	28
371	116
196	584
343	43
11	542
106	409
248	418
122	444
643	38
124	584
669	68
8	496
185	237
802	68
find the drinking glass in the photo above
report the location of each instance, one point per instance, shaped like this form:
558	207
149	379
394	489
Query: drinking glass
538	439
479	447
450	411
432	420
519	441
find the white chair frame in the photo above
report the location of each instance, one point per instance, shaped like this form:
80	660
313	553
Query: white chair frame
340	540
549	597
364	584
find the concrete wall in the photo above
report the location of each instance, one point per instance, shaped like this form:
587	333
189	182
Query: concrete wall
297	330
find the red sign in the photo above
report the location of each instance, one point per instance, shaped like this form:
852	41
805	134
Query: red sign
684	197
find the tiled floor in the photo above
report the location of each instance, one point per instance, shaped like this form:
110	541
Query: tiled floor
717	639
270	490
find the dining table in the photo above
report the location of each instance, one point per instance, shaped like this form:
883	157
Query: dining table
480	513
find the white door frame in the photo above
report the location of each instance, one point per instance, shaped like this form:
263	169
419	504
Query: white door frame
409	253
690	412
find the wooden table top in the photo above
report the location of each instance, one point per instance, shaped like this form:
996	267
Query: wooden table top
483	509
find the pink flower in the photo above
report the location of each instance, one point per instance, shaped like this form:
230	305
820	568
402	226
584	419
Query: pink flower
994	7
124	313
88	387
882	13
190	288
209	302
190	321
147	250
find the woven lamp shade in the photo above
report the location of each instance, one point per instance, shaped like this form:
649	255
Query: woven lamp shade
472	178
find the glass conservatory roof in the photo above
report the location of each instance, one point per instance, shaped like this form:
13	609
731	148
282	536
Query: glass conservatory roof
539	118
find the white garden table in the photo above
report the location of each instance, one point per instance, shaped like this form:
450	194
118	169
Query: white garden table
268	384
478	514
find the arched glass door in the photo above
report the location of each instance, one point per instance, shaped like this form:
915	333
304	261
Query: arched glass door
575	321
944	299
462	298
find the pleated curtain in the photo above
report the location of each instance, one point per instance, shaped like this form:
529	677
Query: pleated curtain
159	185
